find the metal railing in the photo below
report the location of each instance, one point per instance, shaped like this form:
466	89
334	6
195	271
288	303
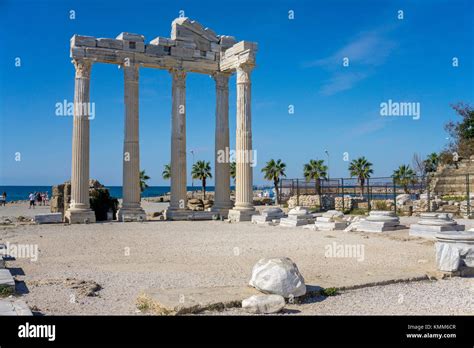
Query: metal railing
377	192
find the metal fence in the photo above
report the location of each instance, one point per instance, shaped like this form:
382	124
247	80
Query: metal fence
376	193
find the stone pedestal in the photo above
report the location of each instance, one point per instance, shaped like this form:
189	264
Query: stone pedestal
379	221
131	209
432	223
268	215
330	221
243	209
178	209
455	252
297	217
79	210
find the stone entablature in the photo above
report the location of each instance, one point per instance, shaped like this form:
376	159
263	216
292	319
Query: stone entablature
191	48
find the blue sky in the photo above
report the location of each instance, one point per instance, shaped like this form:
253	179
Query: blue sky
299	63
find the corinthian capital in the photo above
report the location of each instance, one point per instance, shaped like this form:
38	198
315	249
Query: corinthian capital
83	68
222	80
179	77
243	73
130	72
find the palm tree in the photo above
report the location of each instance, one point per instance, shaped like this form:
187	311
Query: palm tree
431	162
361	168
404	176
273	171
143	179
202	170
233	170
315	170
166	174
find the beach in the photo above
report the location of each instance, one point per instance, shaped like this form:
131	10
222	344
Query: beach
103	268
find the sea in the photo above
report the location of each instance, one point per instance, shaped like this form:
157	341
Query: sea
17	193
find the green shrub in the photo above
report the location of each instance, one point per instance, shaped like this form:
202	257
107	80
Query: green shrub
358	211
380	205
101	203
329	292
454	198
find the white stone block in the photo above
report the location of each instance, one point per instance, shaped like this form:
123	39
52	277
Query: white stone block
263	304
156	50
110	43
6	280
130	37
51	218
329	226
163	41
14	307
133	46
80	40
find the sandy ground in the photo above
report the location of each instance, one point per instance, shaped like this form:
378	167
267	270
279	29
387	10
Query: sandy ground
453	296
117	261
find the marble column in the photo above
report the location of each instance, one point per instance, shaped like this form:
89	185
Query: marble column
178	204
222	202
131	209
243	208
79	210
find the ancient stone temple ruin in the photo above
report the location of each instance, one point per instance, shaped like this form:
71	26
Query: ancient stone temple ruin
191	48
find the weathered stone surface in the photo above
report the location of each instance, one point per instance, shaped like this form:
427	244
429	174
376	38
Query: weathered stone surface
133	46
6	280
447	257
130	37
297	217
432	223
80	40
263	304
183	28
330	221
454	250
267	215
13	307
110	43
379	221
163	41
193	300
403	199
226	41
278	276
49	218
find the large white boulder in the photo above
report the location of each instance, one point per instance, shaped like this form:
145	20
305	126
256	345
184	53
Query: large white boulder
263	304
278	276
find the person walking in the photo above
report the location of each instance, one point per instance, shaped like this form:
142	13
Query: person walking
38	197
3	198
32	198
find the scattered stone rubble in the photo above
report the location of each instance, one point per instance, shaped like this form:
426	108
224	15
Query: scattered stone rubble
297	217
268	215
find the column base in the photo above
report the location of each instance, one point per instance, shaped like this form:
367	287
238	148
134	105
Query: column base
79	216
241	215
222	209
177	214
129	215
